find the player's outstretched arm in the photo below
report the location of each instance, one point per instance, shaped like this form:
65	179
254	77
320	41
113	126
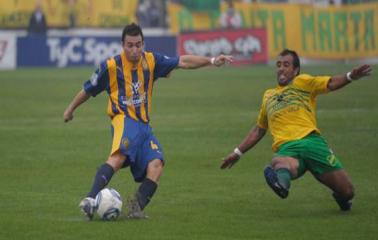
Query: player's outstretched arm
193	61
80	98
253	137
339	81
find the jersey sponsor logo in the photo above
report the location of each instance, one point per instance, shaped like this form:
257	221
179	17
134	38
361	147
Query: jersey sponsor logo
137	99
291	99
134	101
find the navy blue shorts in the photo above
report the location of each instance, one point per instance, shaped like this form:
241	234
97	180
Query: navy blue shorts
136	141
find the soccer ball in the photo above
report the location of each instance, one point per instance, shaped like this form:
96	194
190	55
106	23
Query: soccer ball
108	204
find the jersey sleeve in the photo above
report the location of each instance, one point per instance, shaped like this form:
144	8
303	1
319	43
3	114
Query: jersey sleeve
314	84
98	82
164	65
262	120
320	84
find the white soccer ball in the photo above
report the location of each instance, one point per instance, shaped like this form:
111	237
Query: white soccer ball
108	204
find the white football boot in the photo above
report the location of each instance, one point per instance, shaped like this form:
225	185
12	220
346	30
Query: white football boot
88	207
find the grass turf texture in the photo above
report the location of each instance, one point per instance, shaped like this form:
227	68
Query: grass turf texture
199	116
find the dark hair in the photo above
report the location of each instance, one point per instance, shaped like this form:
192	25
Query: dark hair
132	30
296	61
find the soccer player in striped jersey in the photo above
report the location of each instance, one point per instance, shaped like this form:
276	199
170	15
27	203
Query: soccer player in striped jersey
288	111
128	78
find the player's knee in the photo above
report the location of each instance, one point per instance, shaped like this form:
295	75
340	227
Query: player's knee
155	169
156	165
286	162
277	164
116	161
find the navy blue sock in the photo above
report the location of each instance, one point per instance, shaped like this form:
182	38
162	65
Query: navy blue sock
145	192
103	176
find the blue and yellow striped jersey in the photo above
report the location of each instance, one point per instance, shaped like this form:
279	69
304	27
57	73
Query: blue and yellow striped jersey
130	87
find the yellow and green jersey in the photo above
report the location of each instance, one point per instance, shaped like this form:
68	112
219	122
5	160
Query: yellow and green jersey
289	111
130	87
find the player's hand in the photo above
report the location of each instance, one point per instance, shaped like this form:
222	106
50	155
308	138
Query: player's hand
230	160
361	71
223	59
67	115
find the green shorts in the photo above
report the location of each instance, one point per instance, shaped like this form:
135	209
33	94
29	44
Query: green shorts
312	153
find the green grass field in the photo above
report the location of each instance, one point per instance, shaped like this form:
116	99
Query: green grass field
47	166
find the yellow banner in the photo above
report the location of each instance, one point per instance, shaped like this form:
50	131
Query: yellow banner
181	19
86	13
335	32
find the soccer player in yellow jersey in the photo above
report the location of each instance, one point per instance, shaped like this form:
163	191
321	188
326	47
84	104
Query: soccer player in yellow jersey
128	79
288	111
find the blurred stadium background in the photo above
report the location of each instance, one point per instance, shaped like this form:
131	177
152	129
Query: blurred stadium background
199	116
84	32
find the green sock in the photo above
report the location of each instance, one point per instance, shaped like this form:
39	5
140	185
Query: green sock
284	177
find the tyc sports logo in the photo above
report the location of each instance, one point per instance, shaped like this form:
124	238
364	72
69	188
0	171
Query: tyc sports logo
80	50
